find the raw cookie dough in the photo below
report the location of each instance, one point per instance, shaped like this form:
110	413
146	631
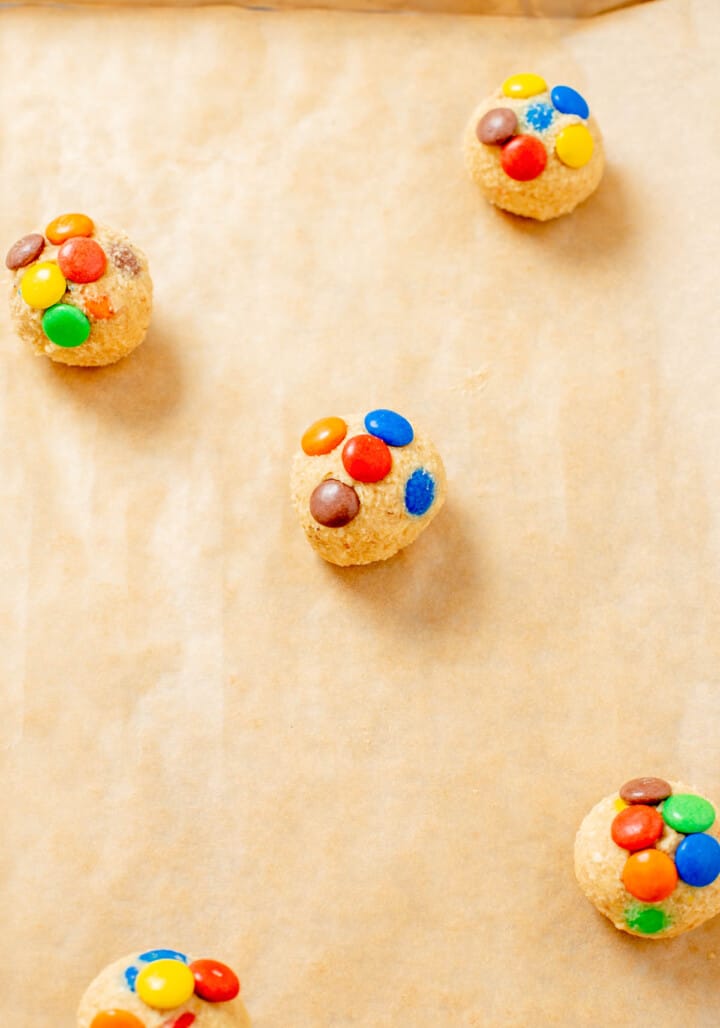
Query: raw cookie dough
648	857
81	293
532	150
365	487
163	989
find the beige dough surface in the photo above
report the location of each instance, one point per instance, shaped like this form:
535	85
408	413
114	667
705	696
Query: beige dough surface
125	284
558	189
599	864
382	526
109	992
358	786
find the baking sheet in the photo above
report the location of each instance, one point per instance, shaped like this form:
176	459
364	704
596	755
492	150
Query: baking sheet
358	787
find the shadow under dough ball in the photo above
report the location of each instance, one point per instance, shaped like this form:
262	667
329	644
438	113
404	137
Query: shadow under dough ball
81	293
163	988
365	487
648	857
533	150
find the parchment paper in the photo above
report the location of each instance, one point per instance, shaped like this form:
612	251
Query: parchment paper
360	788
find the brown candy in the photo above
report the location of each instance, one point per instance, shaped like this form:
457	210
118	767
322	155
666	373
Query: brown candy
646	790
25	251
334	504
124	259
497	126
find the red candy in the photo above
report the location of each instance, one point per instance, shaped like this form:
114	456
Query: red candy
523	158
82	260
637	828
366	458
184	1021
214	982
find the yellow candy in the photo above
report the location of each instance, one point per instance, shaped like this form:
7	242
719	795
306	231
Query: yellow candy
521	86
43	285
619	804
165	984
574	146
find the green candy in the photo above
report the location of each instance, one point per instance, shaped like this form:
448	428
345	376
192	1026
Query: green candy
648	920
65	325
688	814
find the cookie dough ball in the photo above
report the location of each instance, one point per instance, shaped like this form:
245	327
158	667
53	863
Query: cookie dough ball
648	857
163	989
81	293
534	151
365	487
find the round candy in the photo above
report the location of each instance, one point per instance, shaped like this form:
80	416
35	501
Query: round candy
68	225
574	146
323	436
419	492
65	325
162	954
649	875
619	804
569	101
334	504
214	982
366	458
647	920
184	1021
43	285
637	828
645	790
25	251
687	813
697	859
392	428
98	307
523	158
539	116
165	984
521	86
116	1019
497	126
82	260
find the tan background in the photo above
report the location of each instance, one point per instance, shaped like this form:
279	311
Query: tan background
358	787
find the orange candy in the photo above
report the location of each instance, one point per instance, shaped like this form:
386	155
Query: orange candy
116	1019
323	436
67	226
650	875
98	307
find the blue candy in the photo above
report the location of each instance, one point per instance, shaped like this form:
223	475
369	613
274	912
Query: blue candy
569	101
419	492
539	116
697	859
392	428
162	954
131	974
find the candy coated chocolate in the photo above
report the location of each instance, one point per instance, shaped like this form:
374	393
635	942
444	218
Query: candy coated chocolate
569	101
184	1021
214	982
649	875
25	251
323	436
165	984
646	790
124	259
42	285
687	813
68	225
637	827
523	158
419	492
82	260
162	954
334	504
116	1019
647	920
522	86
392	428
697	859
497	126
65	325
574	145
366	458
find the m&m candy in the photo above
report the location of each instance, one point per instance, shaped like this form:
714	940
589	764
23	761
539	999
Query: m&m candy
568	101
323	436
43	285
419	492
574	145
392	428
165	984
523	158
366	458
637	828
184	1021
214	982
645	790
82	260
116	1019
697	859
687	813
497	126
334	504
68	225
521	86
25	251
649	875
65	325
